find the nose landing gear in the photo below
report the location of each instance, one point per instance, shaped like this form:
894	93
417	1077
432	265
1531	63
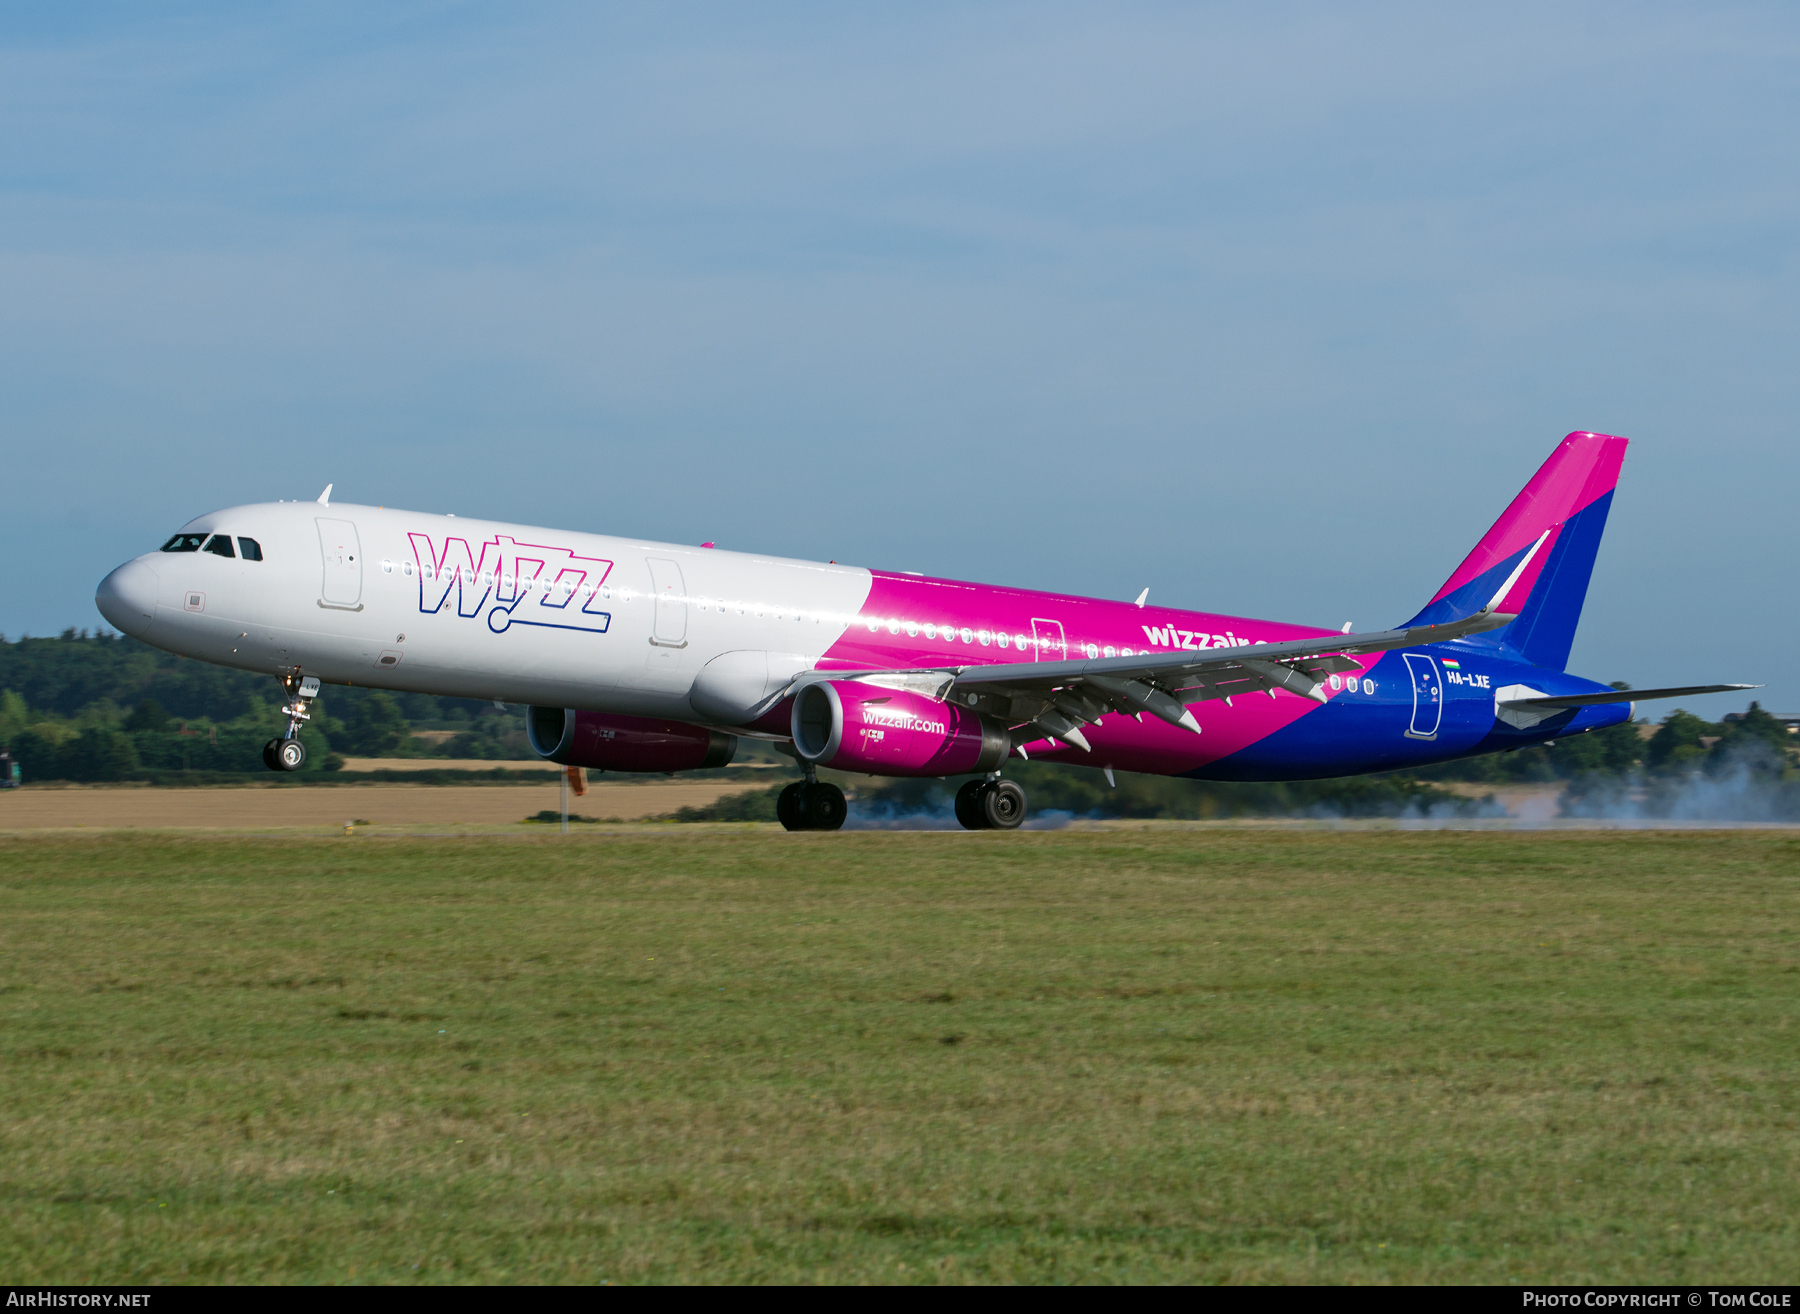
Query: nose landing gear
811	804
991	804
288	753
284	755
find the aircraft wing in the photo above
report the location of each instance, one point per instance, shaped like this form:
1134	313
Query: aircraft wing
1057	698
1624	696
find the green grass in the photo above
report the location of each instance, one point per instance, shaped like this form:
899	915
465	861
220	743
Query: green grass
705	1054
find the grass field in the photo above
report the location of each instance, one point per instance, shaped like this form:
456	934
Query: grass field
731	1054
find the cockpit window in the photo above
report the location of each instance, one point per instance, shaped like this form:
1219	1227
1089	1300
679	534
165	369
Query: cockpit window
220	545
250	549
184	543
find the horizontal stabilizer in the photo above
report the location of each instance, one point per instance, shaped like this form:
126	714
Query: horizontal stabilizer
1623	696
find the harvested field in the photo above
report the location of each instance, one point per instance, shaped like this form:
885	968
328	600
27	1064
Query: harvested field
441	764
277	808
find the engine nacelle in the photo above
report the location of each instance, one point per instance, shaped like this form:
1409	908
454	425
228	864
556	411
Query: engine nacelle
852	726
624	743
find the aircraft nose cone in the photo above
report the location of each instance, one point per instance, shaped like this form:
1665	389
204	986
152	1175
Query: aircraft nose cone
127	598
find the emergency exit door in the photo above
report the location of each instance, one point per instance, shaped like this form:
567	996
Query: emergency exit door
669	621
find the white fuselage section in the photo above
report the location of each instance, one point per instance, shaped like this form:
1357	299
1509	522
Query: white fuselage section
435	604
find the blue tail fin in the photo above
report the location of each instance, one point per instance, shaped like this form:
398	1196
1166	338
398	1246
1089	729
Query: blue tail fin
1554	526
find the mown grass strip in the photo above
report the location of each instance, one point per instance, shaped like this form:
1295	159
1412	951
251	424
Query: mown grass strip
751	1056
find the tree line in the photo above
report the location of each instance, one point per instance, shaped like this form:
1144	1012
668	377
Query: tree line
105	707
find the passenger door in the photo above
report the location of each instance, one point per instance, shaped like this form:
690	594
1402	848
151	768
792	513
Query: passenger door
1428	695
342	583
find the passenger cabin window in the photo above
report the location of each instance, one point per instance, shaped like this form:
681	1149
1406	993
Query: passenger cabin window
184	543
249	549
220	545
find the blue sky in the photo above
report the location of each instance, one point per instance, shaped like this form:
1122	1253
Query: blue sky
1269	308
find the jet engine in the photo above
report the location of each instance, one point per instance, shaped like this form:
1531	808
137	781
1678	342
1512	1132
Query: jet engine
851	726
607	742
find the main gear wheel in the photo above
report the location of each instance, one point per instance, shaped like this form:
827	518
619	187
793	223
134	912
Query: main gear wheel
990	805
1003	804
825	807
968	805
811	805
789	810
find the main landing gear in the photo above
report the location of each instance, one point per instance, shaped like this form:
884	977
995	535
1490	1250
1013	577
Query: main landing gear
288	753
811	804
991	804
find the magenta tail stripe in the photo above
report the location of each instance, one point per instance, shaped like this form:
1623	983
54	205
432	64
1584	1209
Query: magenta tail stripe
1584	468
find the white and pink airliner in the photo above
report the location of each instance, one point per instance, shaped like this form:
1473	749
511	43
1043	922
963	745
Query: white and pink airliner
657	657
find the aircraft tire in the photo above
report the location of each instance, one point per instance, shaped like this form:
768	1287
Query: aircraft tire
790	809
825	807
269	758
1003	805
290	753
968	805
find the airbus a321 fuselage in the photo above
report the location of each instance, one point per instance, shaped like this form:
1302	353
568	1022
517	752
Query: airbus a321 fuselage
640	656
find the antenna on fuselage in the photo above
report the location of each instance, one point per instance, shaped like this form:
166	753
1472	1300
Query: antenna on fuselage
325	497
1143	597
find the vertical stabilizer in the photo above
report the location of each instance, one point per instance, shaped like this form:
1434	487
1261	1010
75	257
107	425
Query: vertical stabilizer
1565	506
